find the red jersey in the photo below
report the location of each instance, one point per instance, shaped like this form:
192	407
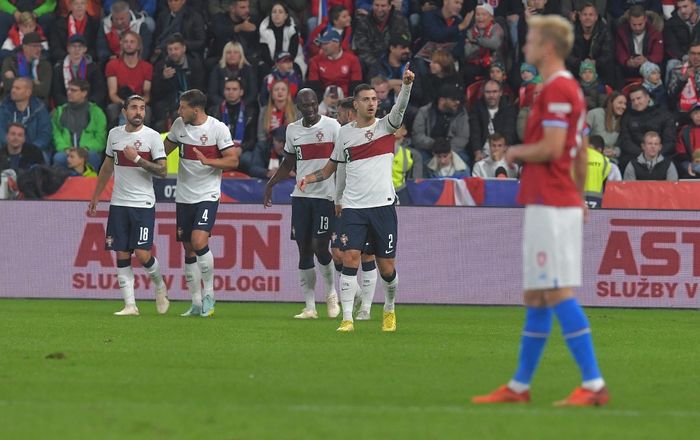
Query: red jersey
340	72
128	77
560	104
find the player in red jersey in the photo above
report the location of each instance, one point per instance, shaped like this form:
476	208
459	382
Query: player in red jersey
551	188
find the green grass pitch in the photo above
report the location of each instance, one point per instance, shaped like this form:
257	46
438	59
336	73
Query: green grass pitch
252	372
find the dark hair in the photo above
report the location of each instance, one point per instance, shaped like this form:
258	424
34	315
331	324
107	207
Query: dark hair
194	98
335	12
496	136
361	88
639	88
130	98
441	146
588	5
500	86
596	142
637	11
175	38
16	124
80	151
82	84
288	21
236	79
346	103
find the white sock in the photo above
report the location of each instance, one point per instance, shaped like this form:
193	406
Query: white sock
194	282
369	284
328	275
594	385
390	293
154	273
206	267
518	387
307	282
348	289
125	276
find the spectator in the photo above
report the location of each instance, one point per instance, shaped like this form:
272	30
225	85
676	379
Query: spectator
320	10
279	112
385	95
180	18
445	27
267	156
17	154
78	22
77	162
639	40
20	106
329	105
236	26
445	118
510	12
177	73
10	11
445	163
128	75
333	66
283	70
392	64
652	82
373	32
605	122
233	64
26	24
27	63
236	115
600	171
94	8
651	164
278	33
115	25
483	44
492	113
684	85
530	88
144	8
346	111
679	32
441	70
495	164
339	20
641	118
77	65
79	123
617	8
688	145
572	8
593	90
298	9
497	72
594	42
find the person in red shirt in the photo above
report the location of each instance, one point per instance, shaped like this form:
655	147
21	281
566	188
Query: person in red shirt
334	66
552	182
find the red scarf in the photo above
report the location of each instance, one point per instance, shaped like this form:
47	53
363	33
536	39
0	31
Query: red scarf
76	26
16	38
484	59
113	39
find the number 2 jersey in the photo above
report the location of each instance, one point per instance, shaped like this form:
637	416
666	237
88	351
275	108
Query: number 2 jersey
312	147
133	186
197	182
560	105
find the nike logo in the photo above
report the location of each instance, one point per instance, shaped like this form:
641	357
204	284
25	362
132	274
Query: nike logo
114	143
297	138
139	243
183	135
200	223
389	251
347	142
320	231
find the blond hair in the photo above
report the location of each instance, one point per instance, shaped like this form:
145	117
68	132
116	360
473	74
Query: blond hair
556	30
290	112
233	45
26	18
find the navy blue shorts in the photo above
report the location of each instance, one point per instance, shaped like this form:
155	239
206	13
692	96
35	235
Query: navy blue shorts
338	232
373	228
312	218
194	216
130	228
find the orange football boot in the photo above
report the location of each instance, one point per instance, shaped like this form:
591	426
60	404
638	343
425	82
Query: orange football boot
583	397
503	395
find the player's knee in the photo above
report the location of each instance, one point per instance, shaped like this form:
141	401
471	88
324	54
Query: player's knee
306	261
386	267
351	258
555	296
143	256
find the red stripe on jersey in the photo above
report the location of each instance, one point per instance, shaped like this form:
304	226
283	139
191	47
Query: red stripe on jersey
209	151
383	145
122	161
321	150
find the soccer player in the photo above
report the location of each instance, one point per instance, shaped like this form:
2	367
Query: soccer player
134	154
363	303
554	214
366	146
206	148
308	146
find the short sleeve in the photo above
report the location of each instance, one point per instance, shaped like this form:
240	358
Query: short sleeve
223	136
288	145
111	69
174	130
157	147
108	148
557	105
338	154
147	71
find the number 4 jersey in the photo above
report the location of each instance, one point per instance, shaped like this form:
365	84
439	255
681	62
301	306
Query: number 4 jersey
312	147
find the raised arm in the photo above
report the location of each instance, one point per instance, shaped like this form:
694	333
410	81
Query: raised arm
395	116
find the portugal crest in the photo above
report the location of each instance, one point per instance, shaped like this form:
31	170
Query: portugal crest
369	135
319	135
344	239
108	241
203	138
137	144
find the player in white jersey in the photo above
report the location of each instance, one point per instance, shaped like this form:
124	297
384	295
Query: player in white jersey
367	148
309	144
206	148
134	153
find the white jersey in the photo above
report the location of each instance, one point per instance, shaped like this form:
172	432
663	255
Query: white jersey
197	182
369	155
133	186
312	147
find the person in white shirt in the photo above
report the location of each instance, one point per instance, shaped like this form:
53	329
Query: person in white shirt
495	164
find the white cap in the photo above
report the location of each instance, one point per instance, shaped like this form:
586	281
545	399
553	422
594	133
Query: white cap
486	6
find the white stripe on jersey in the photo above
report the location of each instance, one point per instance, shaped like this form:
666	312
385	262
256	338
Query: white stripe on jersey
197	182
133	186
312	147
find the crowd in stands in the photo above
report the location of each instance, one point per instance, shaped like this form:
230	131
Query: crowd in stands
68	65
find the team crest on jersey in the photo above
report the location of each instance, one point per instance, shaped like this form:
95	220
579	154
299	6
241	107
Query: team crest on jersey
179	232
137	144
369	135
344	239
203	138
344	70
109	240
319	135
541	258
